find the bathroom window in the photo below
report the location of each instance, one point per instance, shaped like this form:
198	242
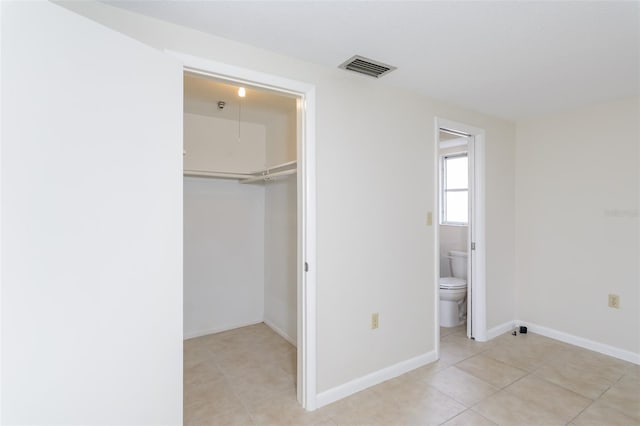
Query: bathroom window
454	194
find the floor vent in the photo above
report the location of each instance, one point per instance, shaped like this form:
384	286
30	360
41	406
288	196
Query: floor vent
367	66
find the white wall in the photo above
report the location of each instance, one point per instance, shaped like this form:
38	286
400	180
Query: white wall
577	222
281	236
223	255
240	240
212	144
224	225
91	264
451	238
374	186
280	272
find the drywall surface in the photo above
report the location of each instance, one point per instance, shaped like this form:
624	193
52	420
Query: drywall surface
578	222
223	255
240	240
280	227
91	224
451	238
222	145
375	183
280	251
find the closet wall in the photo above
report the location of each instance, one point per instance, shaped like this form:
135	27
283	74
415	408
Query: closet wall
223	227
280	304
239	239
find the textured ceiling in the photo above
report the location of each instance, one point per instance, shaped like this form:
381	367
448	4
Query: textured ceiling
510	59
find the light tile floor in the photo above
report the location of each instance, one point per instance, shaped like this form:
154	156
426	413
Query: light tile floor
247	377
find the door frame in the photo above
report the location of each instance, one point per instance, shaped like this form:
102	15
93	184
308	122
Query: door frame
306	176
477	232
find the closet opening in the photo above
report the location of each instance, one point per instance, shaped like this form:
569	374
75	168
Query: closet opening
242	245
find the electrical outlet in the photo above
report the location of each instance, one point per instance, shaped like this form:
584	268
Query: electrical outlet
374	321
614	301
429	218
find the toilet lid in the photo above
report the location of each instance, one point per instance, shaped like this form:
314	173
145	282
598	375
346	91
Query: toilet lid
452	283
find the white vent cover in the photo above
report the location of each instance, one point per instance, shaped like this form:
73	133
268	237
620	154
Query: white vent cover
367	66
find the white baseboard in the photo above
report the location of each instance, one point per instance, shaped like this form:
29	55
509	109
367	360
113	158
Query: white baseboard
372	379
194	334
582	342
281	332
501	329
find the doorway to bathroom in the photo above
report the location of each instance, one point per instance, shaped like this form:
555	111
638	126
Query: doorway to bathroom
460	277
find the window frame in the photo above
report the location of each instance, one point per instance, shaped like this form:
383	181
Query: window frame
443	186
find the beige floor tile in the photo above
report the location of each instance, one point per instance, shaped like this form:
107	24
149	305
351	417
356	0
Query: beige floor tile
599	414
609	368
216	396
557	400
326	422
586	382
633	370
455	348
207	415
460	330
263	384
491	371
369	396
506	409
374	411
516	357
526	351
424	372
419	403
247	377
284	410
469	418
196	353
461	386
203	372
624	396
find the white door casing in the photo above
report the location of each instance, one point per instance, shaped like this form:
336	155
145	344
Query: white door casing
477	265
91	223
306	260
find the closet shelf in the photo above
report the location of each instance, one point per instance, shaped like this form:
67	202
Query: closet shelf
269	173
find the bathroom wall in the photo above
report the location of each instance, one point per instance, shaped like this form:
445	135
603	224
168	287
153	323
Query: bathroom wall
451	238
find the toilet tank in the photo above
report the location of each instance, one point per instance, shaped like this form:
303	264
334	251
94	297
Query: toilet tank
458	261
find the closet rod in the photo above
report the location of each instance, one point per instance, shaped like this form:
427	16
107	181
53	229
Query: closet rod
268	176
223	175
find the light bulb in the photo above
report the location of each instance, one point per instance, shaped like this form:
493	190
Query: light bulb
242	92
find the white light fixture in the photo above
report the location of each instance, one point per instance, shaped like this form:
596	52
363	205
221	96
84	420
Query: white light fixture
242	92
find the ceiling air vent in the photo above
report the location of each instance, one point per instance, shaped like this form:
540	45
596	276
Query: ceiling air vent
367	66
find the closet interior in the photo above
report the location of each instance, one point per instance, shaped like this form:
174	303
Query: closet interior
240	207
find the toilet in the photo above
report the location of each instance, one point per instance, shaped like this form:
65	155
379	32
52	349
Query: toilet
453	291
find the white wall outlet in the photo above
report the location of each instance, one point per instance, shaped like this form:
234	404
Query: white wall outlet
374	321
429	218
614	301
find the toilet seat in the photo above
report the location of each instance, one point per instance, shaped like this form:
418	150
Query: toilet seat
452	283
